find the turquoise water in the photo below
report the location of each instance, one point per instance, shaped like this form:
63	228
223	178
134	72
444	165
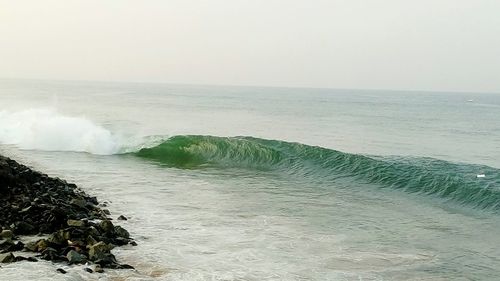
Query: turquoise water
247	183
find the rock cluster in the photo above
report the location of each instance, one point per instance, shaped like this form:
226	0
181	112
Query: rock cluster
78	230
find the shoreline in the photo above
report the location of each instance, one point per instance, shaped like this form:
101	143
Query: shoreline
73	229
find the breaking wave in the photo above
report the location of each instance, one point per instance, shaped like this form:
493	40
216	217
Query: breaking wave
45	129
452	181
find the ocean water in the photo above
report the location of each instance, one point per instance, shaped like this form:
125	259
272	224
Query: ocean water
249	183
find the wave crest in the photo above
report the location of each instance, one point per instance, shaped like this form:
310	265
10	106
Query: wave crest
451	181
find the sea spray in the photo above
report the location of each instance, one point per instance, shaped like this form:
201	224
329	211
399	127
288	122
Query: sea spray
46	129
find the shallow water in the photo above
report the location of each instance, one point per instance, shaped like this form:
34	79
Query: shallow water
222	220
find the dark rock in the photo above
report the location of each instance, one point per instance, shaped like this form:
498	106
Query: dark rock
125	266
6	245
59	238
9	246
34	203
88	270
98	269
75	257
121	232
122	218
31	246
7	258
76	223
107	226
60	270
79	202
6	234
51	254
30	259
42	245
98	251
22	228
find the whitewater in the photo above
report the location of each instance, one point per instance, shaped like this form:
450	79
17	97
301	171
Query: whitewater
242	183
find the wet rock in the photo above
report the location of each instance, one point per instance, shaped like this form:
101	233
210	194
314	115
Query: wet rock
88	270
74	257
51	254
6	234
42	245
31	246
93	231
121	232
34	203
6	245
98	251
107	226
76	223
79	202
7	258
122	218
125	266
24	228
30	259
91	240
59	238
60	270
98	269
9	246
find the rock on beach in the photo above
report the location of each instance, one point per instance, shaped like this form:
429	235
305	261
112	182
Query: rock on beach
76	229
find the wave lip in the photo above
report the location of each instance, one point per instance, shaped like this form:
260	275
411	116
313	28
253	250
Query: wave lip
194	151
450	181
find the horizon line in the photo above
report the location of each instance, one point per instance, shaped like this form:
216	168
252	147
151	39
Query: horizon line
246	85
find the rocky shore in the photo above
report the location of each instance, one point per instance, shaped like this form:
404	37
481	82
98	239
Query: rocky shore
70	225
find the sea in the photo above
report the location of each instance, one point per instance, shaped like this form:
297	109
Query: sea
261	183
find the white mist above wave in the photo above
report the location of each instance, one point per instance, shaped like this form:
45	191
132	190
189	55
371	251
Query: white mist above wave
46	129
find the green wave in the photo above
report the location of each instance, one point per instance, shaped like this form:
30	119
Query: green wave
451	181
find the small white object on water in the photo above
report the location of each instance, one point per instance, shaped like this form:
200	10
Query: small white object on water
481	176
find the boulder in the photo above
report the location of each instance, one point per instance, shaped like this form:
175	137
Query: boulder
98	251
107	226
23	228
6	234
121	232
122	218
60	270
7	258
76	223
42	245
75	257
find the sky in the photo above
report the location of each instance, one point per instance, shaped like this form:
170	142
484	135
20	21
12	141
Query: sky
438	45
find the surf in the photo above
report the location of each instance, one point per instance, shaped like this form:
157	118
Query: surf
48	130
457	182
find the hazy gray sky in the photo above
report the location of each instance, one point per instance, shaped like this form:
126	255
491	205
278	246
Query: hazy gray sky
389	44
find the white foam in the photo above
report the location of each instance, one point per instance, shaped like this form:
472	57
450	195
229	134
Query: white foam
46	129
